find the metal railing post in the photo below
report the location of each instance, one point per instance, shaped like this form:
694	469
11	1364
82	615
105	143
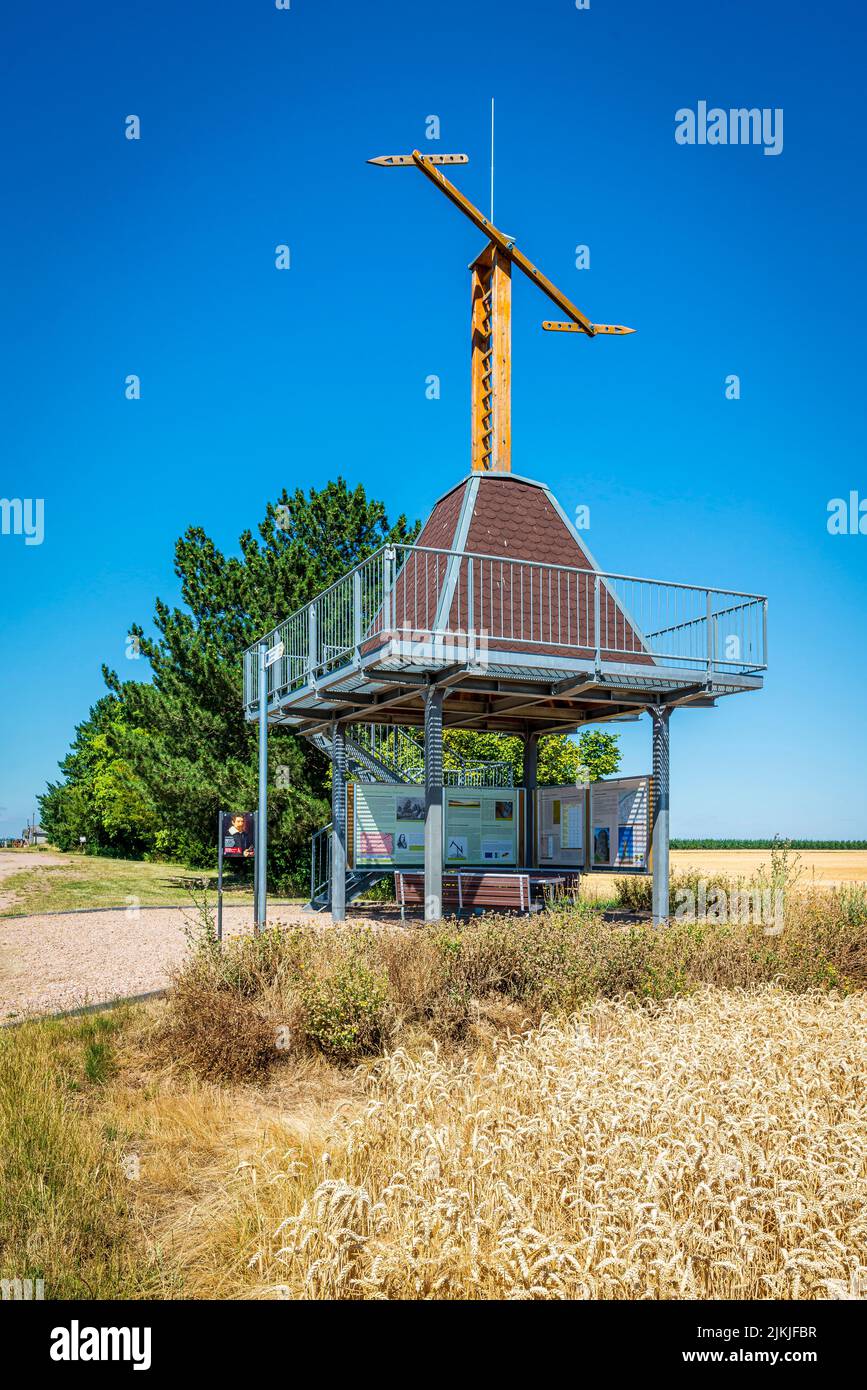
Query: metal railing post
356	611
261	865
660	716
597	621
312	661
384	604
471	615
388	590
710	642
433	793
338	823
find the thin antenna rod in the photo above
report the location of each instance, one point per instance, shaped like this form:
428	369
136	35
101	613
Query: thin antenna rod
492	159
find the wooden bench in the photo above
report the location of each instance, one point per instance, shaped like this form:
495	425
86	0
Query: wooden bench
465	890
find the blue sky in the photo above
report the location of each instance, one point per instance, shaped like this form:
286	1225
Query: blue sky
156	257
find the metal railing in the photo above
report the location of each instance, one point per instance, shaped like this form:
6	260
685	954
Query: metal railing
438	606
401	750
393	747
391	752
320	865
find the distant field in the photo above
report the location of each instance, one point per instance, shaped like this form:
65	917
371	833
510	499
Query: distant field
733	843
827	867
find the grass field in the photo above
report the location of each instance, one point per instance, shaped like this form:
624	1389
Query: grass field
623	1155
81	881
33	882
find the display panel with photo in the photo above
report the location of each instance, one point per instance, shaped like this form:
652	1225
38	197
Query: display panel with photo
238	831
626	844
601	845
388	825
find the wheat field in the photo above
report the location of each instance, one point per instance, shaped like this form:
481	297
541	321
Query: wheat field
817	867
713	1147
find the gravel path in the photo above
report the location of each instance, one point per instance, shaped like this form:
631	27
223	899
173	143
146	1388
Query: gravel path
50	963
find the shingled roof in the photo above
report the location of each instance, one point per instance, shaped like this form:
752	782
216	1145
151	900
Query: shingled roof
517	525
503	514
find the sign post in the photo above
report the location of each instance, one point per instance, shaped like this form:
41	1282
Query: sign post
220	876
237	836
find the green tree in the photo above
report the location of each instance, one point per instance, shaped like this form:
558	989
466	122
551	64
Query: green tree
157	759
599	753
100	797
562	760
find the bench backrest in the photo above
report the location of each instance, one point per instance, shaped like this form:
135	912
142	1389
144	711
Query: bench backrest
467	889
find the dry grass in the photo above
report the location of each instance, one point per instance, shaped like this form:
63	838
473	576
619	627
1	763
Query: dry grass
208	1151
714	1147
691	1124
223	1036
64	1211
355	992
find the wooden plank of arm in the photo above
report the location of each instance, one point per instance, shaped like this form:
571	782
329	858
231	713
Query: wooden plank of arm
484	225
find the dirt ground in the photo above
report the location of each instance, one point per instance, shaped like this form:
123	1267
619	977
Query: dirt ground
51	963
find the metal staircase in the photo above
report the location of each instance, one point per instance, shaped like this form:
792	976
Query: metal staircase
379	753
357	880
385	753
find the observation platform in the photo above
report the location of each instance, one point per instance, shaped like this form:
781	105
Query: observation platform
497	618
501	606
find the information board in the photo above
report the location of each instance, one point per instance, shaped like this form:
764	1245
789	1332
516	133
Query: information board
481	825
601	826
561	819
619	812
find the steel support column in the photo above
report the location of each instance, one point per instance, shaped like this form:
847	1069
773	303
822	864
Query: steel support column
338	823
433	804
261	864
531	777
660	715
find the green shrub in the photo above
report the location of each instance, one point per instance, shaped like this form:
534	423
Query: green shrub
634	894
344	1009
381	892
850	901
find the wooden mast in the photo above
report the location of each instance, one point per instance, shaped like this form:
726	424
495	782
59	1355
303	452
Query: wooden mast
491	317
491	362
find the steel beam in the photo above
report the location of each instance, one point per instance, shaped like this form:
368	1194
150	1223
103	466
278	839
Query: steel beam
660	716
433	801
261	914
338	823
531	778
